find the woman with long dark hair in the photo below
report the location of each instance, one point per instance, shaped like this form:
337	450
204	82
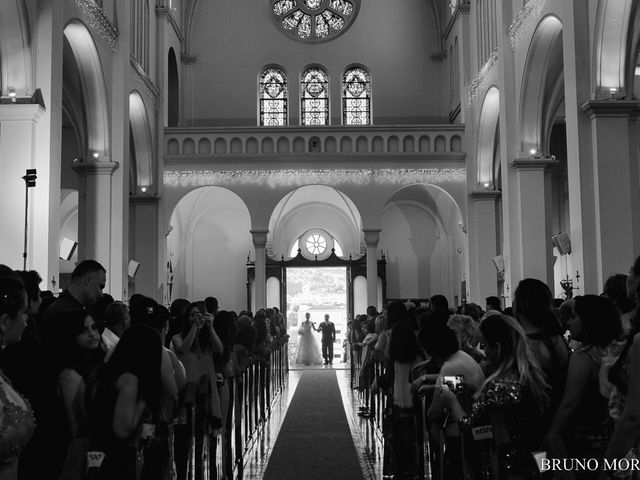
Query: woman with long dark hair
581	426
78	354
533	308
404	353
511	401
122	402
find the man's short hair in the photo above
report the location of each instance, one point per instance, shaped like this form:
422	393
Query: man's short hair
86	267
211	304
439	302
494	302
115	314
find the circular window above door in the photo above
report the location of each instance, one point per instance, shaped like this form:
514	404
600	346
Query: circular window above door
314	20
316	244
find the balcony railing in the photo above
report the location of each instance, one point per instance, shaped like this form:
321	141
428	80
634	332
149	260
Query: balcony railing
420	140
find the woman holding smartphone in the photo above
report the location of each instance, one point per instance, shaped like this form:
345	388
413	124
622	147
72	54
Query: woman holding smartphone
504	419
195	347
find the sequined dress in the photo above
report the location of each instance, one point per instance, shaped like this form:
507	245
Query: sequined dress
16	427
508	407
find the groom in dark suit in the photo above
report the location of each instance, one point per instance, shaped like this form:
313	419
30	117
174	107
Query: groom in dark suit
328	330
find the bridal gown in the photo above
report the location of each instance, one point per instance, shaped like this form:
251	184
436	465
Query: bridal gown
308	351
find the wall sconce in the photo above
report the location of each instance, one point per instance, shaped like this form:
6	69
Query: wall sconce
612	93
143	189
486	185
96	155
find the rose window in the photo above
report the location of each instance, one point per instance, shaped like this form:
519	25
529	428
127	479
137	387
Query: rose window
314	20
316	244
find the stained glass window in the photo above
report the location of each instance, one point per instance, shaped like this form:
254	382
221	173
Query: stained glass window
356	97
314	97
273	97
314	20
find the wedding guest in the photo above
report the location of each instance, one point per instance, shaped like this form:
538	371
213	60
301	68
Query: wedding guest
510	400
16	415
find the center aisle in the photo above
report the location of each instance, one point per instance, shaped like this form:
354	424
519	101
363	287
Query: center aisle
315	441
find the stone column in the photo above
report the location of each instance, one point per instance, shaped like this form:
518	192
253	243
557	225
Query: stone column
371	239
534	249
577	90
143	246
485	239
260	279
615	184
95	211
17	154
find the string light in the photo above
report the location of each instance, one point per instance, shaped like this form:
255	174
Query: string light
291	178
479	81
94	16
523	20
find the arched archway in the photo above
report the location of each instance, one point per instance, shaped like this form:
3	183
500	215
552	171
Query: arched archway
422	239
616	43
487	132
207	246
89	71
141	145
315	206
16	67
543	86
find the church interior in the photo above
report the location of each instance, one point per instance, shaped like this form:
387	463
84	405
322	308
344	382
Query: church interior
212	148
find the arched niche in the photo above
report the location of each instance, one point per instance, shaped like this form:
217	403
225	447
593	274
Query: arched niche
173	90
208	244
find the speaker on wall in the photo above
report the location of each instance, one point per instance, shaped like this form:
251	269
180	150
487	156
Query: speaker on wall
67	248
498	262
133	268
562	242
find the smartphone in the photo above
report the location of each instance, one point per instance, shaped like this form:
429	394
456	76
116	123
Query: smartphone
454	382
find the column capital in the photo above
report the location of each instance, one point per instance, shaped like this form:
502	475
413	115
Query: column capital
542	163
485	194
611	108
371	236
20	112
259	237
84	169
144	199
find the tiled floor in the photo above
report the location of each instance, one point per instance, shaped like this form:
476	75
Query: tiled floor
365	435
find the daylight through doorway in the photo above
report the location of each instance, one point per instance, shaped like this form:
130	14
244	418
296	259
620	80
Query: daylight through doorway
317	291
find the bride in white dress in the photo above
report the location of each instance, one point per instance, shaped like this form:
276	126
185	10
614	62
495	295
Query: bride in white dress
308	351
